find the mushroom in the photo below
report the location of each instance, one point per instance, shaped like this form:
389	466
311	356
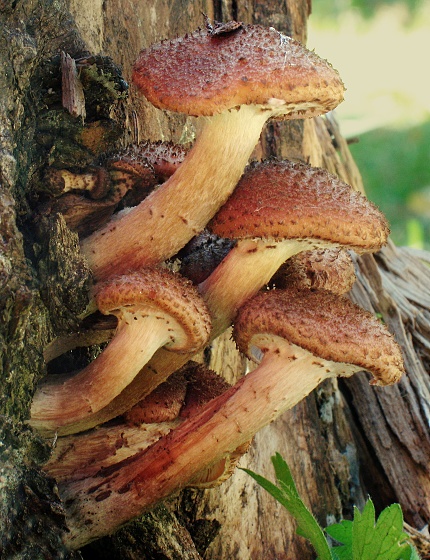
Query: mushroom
130	168
329	269
155	308
125	177
279	208
164	157
237	81
303	337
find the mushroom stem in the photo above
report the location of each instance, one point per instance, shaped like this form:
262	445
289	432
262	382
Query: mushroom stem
225	423
174	213
132	347
242	273
302	337
155	308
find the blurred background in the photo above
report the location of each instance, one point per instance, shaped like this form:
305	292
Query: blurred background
382	51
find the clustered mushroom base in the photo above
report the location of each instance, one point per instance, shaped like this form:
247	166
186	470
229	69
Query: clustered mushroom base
297	356
236	78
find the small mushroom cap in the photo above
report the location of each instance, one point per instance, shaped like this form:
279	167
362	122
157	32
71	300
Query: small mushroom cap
155	290
203	386
205	73
163	404
202	255
329	269
285	200
130	165
329	326
162	158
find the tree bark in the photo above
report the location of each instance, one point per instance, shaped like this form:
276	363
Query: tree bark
342	443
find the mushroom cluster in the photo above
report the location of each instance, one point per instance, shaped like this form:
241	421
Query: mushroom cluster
301	331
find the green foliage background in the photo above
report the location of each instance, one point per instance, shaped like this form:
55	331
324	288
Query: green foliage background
368	8
395	165
394	161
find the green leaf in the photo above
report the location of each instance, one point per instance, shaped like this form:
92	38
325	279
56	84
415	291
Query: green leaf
283	474
384	540
363	539
360	539
286	494
342	532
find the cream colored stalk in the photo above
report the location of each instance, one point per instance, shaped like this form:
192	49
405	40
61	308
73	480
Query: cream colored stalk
237	81
178	210
304	337
279	209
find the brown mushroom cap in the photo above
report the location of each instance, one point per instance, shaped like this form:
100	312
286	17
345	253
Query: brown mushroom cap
162	158
329	269
327	325
159	291
282	199
205	74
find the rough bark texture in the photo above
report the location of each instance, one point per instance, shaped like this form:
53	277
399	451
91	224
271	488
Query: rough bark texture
341	443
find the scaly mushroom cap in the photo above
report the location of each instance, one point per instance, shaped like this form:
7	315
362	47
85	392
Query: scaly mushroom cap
202	255
137	168
204	73
285	200
327	269
329	326
162	158
163	404
159	290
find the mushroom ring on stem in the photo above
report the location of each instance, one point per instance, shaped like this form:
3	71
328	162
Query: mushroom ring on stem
303	337
236	81
279	209
155	308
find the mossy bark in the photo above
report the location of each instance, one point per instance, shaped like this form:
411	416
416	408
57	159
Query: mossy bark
341	443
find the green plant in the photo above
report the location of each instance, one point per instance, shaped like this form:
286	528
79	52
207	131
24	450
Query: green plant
360	539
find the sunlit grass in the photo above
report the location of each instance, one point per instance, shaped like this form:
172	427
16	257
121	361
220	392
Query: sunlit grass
395	165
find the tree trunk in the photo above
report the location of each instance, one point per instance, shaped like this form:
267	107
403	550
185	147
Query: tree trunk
342	443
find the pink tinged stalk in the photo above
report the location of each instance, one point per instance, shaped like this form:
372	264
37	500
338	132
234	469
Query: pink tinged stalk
305	337
155	308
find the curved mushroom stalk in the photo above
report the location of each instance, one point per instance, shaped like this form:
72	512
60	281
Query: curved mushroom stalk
82	456
237	81
304	337
278	209
155	308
